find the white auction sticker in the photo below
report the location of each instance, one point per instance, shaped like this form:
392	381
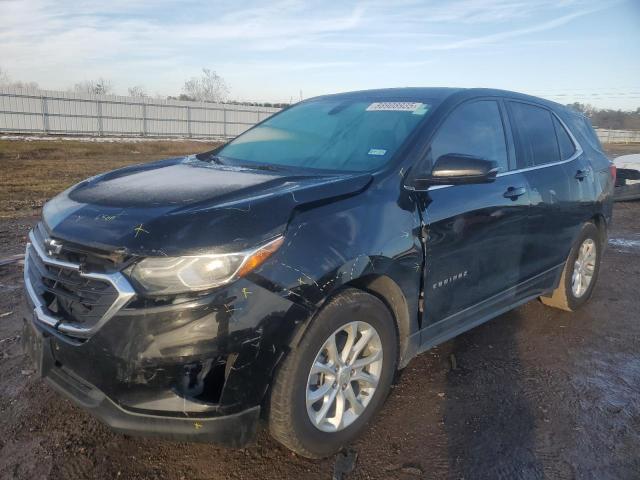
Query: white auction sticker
394	106
377	151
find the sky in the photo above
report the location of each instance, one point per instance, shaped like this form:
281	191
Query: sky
277	51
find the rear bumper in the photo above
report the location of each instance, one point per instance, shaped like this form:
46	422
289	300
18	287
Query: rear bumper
234	430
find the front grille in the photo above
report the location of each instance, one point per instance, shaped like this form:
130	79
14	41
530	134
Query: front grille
66	296
92	260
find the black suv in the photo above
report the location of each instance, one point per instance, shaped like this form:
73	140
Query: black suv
291	272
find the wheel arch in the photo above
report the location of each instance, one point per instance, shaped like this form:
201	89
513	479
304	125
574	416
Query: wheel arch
390	293
601	224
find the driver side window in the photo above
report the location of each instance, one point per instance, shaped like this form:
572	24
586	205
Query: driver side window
473	129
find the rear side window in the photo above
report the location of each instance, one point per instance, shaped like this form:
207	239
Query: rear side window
473	129
536	139
584	127
567	148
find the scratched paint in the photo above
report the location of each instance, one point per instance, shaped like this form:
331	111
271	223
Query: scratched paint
341	230
191	206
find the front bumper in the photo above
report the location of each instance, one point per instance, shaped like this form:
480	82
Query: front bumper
191	367
195	371
234	430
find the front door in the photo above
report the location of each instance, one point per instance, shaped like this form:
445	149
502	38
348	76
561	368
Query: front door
474	234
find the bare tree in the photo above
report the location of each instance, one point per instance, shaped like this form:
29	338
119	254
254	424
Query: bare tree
608	118
138	91
209	87
27	85
4	77
586	109
100	86
5	81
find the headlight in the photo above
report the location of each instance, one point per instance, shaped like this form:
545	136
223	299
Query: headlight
171	275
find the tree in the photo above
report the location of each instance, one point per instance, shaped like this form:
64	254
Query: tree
137	91
100	86
209	87
182	97
607	118
27	85
4	77
5	81
585	109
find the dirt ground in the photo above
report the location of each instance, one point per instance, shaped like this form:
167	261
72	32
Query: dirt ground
33	171
536	393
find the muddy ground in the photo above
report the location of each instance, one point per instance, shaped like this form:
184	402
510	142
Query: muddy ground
34	170
536	393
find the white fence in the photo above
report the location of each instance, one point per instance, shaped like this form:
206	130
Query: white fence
66	113
618	136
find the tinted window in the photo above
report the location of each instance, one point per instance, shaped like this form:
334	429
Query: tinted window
473	129
536	143
567	149
584	127
329	134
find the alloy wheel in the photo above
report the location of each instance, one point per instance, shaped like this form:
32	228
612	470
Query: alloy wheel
584	268
344	376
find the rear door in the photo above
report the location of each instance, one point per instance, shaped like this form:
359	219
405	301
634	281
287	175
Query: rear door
548	158
475	234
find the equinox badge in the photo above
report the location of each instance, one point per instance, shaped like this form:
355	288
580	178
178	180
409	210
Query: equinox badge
448	280
53	246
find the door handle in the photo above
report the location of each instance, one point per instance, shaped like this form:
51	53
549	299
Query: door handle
514	192
581	174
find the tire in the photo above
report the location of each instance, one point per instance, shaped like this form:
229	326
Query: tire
290	421
565	296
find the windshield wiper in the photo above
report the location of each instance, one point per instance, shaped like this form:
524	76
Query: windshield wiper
261	166
211	158
204	157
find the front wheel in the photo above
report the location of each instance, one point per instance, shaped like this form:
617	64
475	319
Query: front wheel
580	272
331	385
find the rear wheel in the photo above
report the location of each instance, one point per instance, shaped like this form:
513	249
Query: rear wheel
580	272
332	384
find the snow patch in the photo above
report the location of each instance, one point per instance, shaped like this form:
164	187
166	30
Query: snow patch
631	162
625	243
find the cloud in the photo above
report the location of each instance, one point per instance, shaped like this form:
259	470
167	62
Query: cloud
43	27
290	66
160	42
505	35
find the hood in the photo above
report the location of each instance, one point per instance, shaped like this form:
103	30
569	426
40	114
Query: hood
187	206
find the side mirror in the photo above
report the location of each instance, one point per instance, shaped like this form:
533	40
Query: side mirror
458	169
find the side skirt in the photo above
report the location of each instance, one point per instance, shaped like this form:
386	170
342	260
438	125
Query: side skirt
471	317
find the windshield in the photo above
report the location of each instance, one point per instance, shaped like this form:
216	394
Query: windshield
330	134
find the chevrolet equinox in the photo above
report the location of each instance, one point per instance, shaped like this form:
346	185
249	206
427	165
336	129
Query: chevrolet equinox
289	274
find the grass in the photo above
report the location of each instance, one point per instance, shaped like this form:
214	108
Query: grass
31	172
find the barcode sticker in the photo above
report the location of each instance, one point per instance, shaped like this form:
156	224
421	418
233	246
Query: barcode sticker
394	106
377	151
